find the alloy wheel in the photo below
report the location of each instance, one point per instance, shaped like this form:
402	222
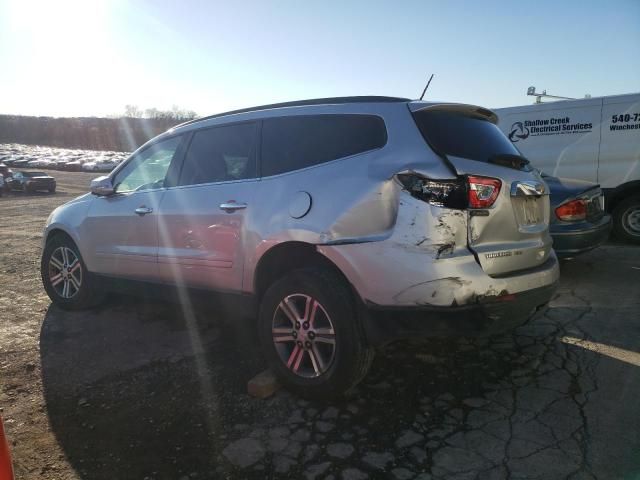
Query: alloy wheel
65	272
303	335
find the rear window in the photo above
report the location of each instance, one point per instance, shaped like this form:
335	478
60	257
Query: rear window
34	174
458	135
292	143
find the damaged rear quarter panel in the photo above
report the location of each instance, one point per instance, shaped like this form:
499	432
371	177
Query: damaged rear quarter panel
424	262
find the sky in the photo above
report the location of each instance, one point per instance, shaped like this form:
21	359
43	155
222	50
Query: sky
93	57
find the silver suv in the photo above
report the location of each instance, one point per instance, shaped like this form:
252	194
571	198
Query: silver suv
347	222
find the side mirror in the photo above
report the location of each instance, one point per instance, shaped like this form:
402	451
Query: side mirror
102	186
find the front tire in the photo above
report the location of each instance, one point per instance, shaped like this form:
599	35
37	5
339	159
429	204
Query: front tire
626	220
65	277
311	334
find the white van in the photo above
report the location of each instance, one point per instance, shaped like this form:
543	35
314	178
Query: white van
594	139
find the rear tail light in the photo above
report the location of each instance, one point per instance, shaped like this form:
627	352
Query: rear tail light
483	191
572	211
476	192
443	193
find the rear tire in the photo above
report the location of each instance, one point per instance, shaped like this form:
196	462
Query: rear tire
298	344
626	219
65	277
52	190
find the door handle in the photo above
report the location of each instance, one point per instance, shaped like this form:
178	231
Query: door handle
232	206
143	210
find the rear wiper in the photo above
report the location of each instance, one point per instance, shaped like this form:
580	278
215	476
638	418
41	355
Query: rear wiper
509	160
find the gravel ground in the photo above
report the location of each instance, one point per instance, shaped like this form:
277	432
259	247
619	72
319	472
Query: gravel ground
145	389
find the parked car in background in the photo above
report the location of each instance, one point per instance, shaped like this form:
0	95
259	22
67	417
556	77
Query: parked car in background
22	163
2	185
106	165
10	160
61	163
90	166
74	166
39	162
5	171
343	222
579	222
103	165
32	182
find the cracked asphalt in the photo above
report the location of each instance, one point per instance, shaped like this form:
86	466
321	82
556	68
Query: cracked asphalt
148	389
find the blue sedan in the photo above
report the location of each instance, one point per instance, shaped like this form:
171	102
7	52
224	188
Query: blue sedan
578	221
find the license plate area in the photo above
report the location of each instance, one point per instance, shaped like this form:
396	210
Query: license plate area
529	212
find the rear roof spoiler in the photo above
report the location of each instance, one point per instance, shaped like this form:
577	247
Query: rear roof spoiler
465	109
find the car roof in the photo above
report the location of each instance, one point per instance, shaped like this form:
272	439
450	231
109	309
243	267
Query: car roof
302	103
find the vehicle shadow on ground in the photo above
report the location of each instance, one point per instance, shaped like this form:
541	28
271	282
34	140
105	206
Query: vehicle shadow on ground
140	388
146	389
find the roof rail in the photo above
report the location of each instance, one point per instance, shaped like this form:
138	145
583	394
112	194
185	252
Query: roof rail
301	103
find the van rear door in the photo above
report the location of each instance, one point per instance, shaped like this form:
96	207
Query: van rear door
508	214
619	160
560	138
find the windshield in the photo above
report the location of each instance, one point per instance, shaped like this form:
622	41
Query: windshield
34	174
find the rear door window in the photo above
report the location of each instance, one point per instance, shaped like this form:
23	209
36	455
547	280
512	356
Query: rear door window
459	135
221	154
295	142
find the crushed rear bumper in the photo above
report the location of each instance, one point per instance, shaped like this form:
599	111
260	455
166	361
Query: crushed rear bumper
486	317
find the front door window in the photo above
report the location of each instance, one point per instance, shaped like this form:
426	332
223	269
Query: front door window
148	169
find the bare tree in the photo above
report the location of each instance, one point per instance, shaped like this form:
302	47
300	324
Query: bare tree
176	113
151	113
132	111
